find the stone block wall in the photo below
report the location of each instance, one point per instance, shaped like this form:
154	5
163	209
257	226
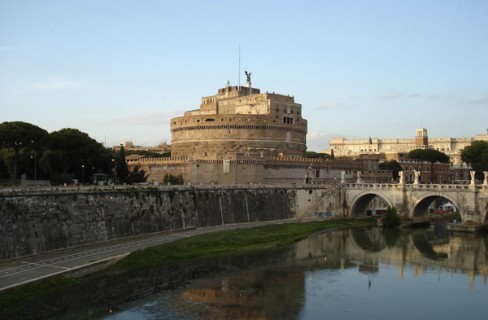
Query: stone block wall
39	222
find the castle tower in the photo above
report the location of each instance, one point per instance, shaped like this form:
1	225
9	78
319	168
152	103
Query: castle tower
240	120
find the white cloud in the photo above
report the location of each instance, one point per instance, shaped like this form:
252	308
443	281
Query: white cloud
318	141
54	84
483	100
331	105
415	95
392	96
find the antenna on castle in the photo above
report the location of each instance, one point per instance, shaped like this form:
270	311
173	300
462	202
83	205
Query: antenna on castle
239	71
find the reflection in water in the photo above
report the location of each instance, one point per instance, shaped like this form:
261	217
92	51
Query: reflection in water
346	274
366	274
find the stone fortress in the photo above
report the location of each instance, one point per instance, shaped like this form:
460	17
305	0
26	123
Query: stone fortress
243	136
240	120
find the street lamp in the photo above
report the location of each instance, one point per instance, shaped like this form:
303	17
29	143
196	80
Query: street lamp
35	165
82	173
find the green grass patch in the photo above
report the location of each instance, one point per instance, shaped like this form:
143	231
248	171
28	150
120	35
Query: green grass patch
231	242
22	295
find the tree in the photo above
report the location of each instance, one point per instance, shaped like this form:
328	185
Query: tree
476	155
137	175
121	167
313	154
74	152
20	135
428	155
390	219
392	165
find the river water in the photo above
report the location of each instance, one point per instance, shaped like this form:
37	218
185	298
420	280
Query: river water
427	273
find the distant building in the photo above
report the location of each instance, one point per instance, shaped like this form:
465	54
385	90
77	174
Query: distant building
396	148
129	146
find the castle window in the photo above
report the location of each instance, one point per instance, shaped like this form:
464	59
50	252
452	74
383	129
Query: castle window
287	120
209	119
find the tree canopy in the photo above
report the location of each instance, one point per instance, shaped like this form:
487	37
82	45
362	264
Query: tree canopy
392	165
476	155
313	154
20	135
428	155
59	156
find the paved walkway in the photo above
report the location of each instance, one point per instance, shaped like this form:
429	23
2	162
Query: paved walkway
35	267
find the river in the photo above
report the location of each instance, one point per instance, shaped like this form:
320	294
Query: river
428	273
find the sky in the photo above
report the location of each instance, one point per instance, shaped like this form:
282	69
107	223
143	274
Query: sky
120	70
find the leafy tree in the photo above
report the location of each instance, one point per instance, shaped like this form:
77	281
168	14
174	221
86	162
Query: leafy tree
313	154
390	219
18	135
74	152
121	167
476	155
392	165
428	155
137	175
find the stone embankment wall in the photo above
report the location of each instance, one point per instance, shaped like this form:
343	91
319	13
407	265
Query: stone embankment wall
39	221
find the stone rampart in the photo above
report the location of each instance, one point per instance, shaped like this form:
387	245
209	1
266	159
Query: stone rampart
39	221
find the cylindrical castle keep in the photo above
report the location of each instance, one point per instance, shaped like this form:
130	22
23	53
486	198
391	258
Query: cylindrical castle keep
240	120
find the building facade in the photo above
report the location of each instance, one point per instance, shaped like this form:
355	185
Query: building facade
393	148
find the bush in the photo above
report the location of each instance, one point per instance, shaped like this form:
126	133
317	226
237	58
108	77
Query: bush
391	219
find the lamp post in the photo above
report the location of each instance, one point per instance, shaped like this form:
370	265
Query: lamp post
82	173
34	156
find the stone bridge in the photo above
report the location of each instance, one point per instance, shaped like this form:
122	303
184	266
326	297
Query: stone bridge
415	200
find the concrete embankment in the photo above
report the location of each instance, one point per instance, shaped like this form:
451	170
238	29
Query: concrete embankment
36	221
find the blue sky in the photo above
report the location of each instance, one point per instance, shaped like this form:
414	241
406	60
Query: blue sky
119	70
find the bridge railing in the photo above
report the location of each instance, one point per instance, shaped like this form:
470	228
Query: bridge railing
383	186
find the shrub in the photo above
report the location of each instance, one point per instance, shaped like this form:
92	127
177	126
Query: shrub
391	219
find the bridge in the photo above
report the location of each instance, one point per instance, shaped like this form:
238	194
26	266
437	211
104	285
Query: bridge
415	200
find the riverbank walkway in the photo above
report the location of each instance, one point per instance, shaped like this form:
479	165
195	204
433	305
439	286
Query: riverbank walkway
77	261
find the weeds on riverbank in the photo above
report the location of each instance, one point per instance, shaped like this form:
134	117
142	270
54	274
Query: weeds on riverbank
236	241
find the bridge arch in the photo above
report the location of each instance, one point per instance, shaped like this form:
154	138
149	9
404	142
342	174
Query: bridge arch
360	203
423	202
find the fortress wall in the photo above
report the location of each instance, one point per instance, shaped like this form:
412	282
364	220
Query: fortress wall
40	222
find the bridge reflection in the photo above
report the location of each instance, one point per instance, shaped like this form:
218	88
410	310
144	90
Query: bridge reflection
259	290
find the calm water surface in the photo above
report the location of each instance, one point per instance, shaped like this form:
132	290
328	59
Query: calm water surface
352	274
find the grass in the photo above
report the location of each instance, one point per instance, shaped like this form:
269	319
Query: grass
30	292
231	242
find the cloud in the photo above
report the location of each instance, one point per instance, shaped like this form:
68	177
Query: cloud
392	96
318	141
483	100
433	97
54	84
331	105
415	95
140	119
